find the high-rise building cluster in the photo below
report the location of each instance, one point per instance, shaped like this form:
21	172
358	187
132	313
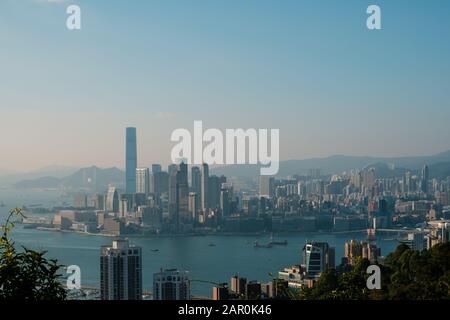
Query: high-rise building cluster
121	276
355	250
189	199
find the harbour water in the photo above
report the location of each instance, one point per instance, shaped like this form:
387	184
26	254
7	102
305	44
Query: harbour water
209	258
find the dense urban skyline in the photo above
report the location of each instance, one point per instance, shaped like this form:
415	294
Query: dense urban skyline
312	70
166	203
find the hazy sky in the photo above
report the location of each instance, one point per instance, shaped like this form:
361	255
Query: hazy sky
310	68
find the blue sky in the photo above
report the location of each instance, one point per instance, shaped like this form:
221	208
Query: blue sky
309	68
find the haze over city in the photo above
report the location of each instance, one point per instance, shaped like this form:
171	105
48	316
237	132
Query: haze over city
237	157
311	70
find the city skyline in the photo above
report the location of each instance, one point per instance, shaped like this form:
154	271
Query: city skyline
164	165
330	85
167	203
225	158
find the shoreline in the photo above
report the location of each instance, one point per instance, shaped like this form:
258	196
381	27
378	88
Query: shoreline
206	234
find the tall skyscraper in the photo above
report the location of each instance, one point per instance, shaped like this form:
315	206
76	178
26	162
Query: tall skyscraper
193	205
179	194
183	191
425	177
142	180
318	257
173	193
123	206
172	168
99	202
266	186
112	200
171	284
195	179
121	271
159	182
226	196
130	161
407	184
215	184
204	188
156	168
183	173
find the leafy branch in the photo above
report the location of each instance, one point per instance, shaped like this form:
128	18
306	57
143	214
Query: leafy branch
26	274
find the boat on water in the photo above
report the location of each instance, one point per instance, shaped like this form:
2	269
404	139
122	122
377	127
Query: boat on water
154	250
212	245
277	243
31	226
256	244
35	205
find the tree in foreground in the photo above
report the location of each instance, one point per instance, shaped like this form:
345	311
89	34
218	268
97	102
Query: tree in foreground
26	274
406	274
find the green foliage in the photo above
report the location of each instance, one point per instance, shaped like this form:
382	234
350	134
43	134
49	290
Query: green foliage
405	275
346	286
26	274
419	275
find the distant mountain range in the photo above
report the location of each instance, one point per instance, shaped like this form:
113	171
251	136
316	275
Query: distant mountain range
94	178
91	178
439	165
7	177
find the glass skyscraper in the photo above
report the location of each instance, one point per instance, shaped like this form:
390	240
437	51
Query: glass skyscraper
130	161
318	257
